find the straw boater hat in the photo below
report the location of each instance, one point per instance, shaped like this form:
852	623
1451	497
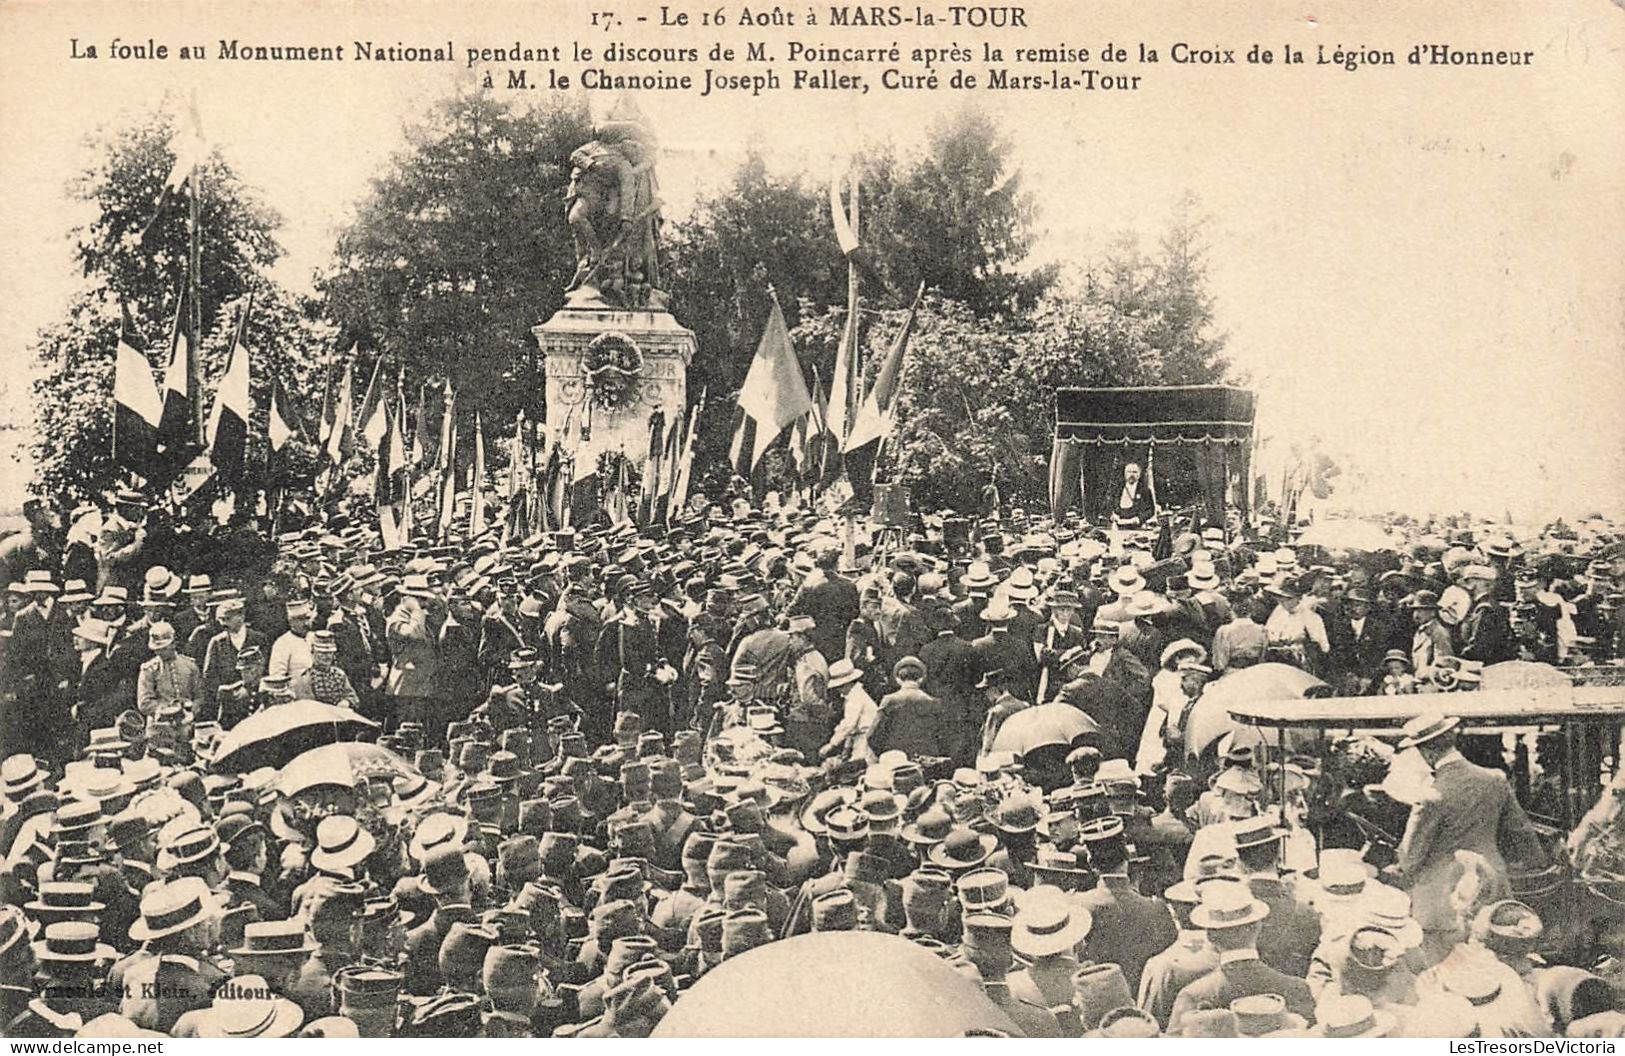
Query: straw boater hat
170	908
246	1007
1260	1015
272	939
73	942
1145	603
1048	923
1352	1016
64	900
1227	904
962	848
1126	581
20	775
843	673
341	844
1426	727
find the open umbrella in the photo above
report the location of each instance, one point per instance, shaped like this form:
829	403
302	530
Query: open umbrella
835	984
348	763
1209	717
1347	535
1046	724
1523	674
282	731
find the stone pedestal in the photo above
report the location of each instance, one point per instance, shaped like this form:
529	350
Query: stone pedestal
666	347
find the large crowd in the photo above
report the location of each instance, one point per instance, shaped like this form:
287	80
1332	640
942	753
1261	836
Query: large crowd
575	773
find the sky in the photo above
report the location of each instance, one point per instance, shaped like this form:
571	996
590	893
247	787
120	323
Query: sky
1419	267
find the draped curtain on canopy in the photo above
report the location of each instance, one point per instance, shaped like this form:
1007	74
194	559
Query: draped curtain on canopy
1096	428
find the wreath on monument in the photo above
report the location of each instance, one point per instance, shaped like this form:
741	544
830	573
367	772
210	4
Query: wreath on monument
613	365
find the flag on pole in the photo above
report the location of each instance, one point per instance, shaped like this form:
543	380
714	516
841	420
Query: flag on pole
1065	484
371	422
448	463
743	445
669	459
877	417
846	381
517	525
404	515
137	407
774	394
340	439
616	504
810	441
685	461
648	496
844	233
279	428
420	427
176	436
191	149
556	477
324	427
476	516
233	408
392	485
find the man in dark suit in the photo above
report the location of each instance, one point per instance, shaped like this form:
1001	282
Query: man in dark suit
1233	918
1059	633
952	669
99	692
978	583
1371	635
1486	633
362	652
220	658
27	647
831	600
1289	935
500	633
195	642
459	667
1114	689
1135	507
911	720
186	619
1129	928
902	628
1474	809
1008	652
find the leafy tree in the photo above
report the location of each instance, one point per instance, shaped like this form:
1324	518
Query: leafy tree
122	184
955	217
461	246
1184	334
762	228
138	249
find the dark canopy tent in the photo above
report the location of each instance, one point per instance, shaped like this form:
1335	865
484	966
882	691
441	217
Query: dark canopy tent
1098	429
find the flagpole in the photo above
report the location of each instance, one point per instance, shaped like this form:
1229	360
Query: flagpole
853	382
194	378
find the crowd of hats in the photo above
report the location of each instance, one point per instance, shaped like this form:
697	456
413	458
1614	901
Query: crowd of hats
521	879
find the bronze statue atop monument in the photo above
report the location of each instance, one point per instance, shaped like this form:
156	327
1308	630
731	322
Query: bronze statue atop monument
613	209
614	356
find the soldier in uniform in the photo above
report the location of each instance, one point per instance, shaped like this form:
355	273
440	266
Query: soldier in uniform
637	654
500	631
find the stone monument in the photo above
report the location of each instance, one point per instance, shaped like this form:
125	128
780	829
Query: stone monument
614	356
